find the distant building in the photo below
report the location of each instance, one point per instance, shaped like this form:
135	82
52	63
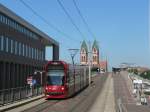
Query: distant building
95	54
22	49
97	64
84	54
103	65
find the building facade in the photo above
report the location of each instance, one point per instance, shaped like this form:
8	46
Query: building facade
95	54
22	49
103	66
84	54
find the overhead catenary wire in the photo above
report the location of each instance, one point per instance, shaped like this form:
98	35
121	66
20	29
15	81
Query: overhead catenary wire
83	19
70	18
47	22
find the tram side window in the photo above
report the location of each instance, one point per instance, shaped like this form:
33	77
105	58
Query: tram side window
68	77
71	76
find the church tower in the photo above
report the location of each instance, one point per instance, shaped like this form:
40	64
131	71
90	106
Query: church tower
95	53
84	54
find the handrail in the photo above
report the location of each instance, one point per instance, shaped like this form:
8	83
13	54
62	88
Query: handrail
15	94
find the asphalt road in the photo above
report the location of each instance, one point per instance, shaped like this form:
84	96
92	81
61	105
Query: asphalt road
82	102
122	91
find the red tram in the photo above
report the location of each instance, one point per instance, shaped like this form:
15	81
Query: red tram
64	80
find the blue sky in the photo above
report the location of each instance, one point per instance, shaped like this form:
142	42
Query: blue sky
120	26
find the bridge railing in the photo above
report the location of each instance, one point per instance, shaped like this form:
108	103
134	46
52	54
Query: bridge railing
16	94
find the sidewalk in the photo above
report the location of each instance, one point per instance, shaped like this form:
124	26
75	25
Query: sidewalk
105	101
20	103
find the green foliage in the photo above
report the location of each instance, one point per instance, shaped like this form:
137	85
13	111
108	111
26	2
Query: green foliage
145	75
147	93
135	71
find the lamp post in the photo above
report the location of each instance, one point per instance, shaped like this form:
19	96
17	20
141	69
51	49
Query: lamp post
73	52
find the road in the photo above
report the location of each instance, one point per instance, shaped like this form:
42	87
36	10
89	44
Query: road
82	102
123	92
102	96
105	102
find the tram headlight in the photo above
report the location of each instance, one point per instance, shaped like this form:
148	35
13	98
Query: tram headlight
46	88
62	88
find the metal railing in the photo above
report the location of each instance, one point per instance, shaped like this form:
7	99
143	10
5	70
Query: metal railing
16	94
137	76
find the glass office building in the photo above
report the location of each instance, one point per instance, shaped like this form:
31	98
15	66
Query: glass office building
22	49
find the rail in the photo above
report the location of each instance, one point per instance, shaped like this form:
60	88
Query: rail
12	95
120	106
135	75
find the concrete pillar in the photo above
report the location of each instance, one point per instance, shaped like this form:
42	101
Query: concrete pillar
13	75
17	75
55	52
4	73
9	81
1	75
21	76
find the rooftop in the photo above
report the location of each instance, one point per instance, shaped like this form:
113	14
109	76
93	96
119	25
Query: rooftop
46	39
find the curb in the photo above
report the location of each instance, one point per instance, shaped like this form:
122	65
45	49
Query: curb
21	103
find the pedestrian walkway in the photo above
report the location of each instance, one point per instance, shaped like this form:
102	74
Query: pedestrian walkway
20	103
105	101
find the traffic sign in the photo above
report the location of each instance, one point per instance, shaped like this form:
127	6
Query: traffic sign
29	80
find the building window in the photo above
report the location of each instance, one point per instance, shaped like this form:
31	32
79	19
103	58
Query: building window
23	49
42	56
16	47
7	44
32	53
6	20
20	49
94	50
11	42
2	43
93	58
37	54
26	51
29	51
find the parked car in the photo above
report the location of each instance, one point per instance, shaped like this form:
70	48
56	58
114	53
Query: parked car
143	100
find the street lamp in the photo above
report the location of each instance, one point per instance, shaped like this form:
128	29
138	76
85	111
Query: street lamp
89	62
73	52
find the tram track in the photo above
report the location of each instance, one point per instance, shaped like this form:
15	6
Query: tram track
90	98
79	103
41	107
